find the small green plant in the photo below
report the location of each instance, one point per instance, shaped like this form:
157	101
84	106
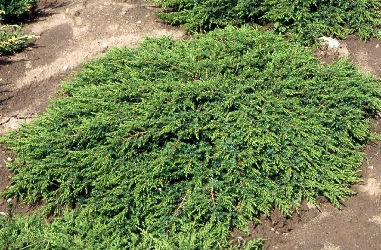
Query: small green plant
12	38
14	9
173	144
304	21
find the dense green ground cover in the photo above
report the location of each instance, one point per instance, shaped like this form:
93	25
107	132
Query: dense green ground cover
302	20
171	145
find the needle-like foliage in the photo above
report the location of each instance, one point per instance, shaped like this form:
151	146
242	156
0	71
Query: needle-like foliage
174	144
302	20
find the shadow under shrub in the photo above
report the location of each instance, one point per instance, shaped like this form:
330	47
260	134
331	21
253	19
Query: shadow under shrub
304	21
173	144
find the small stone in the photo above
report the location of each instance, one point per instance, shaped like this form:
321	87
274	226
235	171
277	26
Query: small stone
9	159
65	67
3	214
139	22
9	200
104	45
310	205
272	229
377	45
330	42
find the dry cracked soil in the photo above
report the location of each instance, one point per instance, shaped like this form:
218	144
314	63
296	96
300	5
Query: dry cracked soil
72	32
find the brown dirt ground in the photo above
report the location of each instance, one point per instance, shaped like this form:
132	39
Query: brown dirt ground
72	32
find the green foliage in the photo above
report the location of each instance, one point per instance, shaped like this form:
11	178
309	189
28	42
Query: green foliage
171	145
14	9
301	20
74	231
12	38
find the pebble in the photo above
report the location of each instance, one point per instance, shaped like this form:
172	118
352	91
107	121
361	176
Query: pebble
139	22
65	67
3	214
9	200
330	42
9	159
104	45
310	205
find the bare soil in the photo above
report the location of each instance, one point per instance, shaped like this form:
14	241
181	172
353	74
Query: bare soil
75	31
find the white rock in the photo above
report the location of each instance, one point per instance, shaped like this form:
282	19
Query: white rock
104	45
330	42
3	214
65	67
9	159
9	200
310	205
139	22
